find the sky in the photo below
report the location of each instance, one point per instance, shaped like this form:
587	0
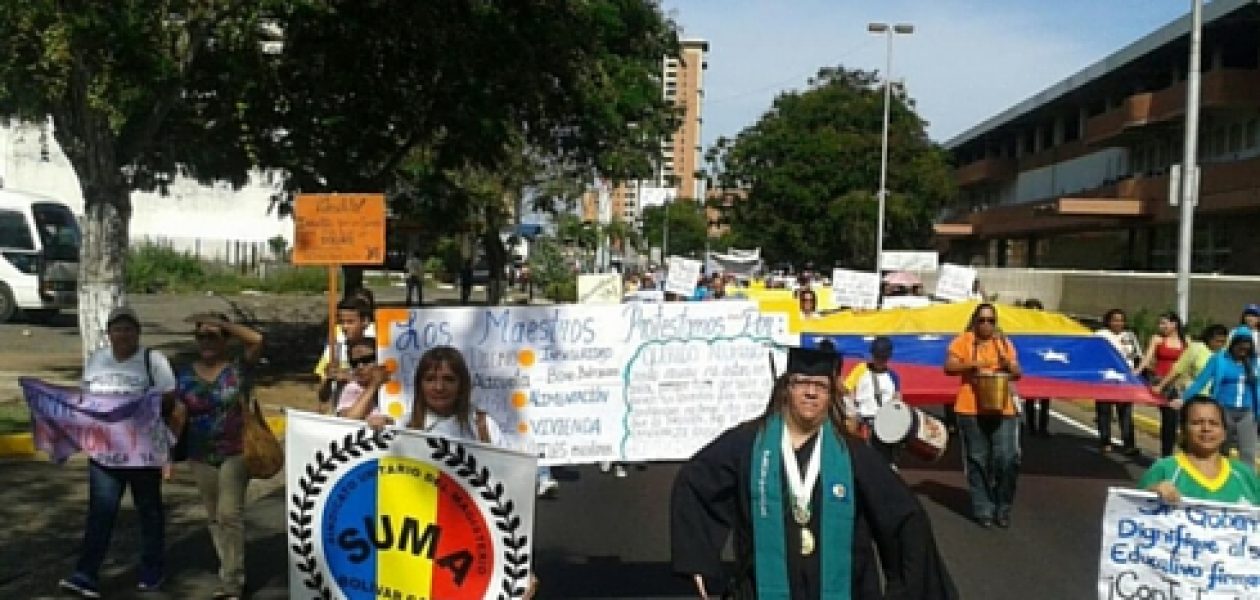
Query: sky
966	61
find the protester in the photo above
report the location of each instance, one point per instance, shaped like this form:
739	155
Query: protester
868	386
1192	361
360	396
1037	410
217	388
465	282
443	401
123	367
415	278
807	301
1234	375
1198	469
1165	348
1126	343
354	323
990	437
795	537
1251	318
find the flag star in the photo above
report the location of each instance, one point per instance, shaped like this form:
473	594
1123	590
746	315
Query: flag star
1051	355
1114	375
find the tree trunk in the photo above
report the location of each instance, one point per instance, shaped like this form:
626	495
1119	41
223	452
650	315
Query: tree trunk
352	279
496	260
102	260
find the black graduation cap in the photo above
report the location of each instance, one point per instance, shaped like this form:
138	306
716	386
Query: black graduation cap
814	361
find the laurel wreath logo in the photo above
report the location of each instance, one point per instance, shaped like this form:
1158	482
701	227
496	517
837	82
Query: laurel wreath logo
354	446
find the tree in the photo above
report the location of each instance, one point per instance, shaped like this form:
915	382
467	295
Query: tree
810	166
688	227
137	92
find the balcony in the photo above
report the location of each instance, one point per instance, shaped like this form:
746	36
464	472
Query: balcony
985	170
1225	88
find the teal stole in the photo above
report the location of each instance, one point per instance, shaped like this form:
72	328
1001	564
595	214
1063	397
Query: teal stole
835	493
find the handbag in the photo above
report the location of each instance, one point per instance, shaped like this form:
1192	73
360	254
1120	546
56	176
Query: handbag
264	456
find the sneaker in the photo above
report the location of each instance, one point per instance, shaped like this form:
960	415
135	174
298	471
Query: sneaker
150	580
605	467
547	487
619	471
80	585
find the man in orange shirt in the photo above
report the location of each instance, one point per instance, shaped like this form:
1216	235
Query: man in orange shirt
990	436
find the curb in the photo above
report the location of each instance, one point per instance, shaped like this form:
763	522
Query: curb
22	445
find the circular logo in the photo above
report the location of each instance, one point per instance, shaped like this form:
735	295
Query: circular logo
395	527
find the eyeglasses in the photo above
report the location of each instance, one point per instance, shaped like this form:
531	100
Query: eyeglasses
986	320
363	360
816	385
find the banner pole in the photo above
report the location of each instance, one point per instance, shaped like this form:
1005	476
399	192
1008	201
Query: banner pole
334	356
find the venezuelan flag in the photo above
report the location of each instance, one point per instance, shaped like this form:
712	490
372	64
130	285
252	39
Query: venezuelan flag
1060	357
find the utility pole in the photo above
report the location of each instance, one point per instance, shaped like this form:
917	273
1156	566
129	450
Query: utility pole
1189	163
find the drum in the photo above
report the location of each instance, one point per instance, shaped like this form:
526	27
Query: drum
923	435
993	391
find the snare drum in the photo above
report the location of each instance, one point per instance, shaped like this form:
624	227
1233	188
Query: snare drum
993	391
923	435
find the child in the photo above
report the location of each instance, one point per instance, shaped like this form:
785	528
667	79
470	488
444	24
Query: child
868	387
354	320
358	398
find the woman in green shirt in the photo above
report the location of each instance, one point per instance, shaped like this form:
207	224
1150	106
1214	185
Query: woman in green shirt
1198	469
1192	362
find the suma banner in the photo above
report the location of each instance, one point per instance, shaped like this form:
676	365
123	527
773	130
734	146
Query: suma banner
115	430
400	514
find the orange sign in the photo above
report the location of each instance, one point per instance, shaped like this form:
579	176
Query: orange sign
339	229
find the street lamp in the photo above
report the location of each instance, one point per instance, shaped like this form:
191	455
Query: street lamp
887	31
1189	163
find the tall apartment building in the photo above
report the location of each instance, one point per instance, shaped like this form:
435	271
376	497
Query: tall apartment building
682	82
1078	175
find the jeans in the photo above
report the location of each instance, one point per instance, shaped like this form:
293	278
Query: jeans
223	493
414	283
1240	431
105	489
1037	411
991	462
1125	411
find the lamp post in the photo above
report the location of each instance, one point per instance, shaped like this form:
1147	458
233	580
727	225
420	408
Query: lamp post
887	31
1189	163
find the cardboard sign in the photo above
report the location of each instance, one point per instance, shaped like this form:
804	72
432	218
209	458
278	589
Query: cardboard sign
339	229
682	277
1197	549
955	282
601	288
401	514
855	289
908	260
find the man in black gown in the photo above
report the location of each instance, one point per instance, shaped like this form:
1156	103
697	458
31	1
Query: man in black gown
782	549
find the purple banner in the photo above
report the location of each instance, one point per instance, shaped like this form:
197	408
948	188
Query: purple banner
116	430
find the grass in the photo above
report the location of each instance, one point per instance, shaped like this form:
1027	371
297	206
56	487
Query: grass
14	418
152	268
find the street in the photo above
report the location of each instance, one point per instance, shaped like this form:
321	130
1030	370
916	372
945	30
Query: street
601	536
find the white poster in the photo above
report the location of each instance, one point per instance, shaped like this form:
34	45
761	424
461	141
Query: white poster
854	289
955	282
906	302
399	514
600	288
682	277
908	260
1200	550
589	383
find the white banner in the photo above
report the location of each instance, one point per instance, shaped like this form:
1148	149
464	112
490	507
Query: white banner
399	514
589	383
682	277
955	282
854	289
1200	550
600	288
908	260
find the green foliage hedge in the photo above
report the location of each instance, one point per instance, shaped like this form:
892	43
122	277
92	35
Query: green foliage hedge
152	268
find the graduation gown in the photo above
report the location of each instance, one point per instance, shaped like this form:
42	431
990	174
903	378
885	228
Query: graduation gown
712	498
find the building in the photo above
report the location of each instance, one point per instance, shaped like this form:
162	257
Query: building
682	82
1078	175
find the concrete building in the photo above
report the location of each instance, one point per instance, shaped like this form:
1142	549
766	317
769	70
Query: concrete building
215	222
1078	175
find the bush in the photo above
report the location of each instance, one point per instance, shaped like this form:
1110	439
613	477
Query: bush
561	291
152	268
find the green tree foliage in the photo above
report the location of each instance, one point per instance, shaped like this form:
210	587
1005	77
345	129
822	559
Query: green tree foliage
688	227
811	169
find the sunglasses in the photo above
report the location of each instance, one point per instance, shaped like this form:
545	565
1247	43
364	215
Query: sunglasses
207	336
363	360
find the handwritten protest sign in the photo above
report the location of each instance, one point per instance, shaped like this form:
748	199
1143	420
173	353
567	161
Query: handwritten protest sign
588	383
908	260
682	277
115	430
855	289
399	514
955	282
599	288
339	229
1199	549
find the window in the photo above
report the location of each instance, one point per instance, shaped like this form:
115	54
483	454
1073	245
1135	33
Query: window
58	230
14	231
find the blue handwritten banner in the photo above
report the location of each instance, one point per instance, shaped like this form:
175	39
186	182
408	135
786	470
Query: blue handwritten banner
1197	550
116	430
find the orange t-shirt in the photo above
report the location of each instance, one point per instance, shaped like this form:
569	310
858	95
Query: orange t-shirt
966	348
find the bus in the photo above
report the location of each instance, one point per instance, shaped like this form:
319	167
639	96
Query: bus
39	240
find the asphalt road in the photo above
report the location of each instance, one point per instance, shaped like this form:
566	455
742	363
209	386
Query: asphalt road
607	537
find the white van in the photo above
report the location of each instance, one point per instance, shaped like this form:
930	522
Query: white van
39	242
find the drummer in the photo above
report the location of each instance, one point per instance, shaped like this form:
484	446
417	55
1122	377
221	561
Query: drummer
868	387
990	426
